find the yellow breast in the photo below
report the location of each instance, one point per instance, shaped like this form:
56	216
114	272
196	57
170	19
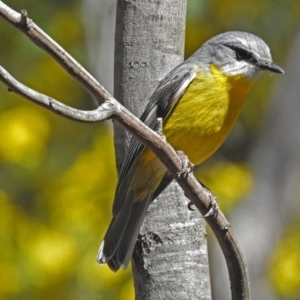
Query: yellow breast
206	113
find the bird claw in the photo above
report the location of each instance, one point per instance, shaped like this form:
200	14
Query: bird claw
187	166
190	206
159	127
214	208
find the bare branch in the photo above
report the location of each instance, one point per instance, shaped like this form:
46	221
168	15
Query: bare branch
42	40
103	112
110	108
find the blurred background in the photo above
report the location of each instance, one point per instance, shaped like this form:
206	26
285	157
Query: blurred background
57	177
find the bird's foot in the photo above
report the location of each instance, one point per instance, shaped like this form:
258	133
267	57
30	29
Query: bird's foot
213	209
190	204
159	127
187	166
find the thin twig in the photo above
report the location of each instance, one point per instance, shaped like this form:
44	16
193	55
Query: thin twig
103	112
110	108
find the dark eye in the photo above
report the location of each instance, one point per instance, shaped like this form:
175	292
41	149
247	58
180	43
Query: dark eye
242	54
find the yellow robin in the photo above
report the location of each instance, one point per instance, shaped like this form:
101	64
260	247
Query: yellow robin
199	102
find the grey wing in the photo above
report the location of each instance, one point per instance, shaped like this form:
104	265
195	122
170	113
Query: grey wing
166	95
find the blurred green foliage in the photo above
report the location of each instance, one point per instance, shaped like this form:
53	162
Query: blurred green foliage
57	177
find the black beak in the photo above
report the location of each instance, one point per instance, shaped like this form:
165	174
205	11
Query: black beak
270	66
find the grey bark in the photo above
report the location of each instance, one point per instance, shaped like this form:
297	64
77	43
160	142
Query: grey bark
170	260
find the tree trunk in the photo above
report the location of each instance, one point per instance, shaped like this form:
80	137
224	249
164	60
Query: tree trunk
170	260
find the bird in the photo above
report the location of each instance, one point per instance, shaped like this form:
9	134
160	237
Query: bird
198	102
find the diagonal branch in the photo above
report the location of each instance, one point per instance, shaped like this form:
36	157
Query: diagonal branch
111	108
46	43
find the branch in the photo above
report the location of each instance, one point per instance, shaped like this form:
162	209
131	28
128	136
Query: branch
111	108
103	112
43	41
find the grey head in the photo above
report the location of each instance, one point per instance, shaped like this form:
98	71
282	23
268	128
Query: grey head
236	53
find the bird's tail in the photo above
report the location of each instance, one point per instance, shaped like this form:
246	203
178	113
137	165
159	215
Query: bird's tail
118	244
